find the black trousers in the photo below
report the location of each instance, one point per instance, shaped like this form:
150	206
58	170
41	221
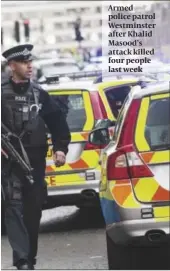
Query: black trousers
23	210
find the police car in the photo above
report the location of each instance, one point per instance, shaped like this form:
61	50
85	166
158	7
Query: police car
134	183
86	104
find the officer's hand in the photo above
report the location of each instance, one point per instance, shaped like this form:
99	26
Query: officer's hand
59	158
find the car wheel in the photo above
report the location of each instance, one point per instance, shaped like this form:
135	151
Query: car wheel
119	256
93	215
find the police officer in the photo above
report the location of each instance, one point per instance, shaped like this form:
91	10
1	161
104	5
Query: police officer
30	112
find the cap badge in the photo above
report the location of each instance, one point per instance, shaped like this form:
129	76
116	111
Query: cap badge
26	52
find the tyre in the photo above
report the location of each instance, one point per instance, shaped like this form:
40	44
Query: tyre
92	210
92	216
130	257
119	256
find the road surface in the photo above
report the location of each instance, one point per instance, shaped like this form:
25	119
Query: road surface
69	239
74	239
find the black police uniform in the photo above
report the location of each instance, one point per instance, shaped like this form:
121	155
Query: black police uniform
29	112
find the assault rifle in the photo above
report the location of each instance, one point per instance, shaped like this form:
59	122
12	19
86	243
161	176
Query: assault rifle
10	152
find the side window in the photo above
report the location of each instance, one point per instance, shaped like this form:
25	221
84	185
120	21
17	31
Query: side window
74	109
120	118
116	97
157	129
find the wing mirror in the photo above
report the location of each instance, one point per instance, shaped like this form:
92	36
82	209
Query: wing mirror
104	123
99	137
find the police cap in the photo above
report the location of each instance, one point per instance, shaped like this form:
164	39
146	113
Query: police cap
19	53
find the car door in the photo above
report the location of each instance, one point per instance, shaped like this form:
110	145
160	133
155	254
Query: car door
152	140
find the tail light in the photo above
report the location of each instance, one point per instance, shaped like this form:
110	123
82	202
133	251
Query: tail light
125	164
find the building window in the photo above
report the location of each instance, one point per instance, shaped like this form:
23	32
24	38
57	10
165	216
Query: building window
86	24
100	36
84	10
58	39
58	25
69	25
98	9
87	36
71	11
58	14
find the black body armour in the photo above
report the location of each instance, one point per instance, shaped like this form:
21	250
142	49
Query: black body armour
23	114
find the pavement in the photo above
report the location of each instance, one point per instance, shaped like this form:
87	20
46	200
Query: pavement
68	239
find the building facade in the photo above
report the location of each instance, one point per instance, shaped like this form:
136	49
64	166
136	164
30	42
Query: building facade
52	22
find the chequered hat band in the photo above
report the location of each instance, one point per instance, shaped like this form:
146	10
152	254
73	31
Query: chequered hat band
25	52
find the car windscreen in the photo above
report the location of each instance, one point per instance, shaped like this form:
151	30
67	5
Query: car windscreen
116	97
74	109
157	129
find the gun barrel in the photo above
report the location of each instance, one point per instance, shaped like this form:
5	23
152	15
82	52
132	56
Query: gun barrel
15	156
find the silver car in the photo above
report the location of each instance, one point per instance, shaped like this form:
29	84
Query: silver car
135	181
